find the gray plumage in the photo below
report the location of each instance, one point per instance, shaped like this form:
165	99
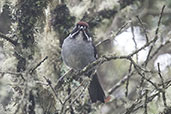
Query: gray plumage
77	53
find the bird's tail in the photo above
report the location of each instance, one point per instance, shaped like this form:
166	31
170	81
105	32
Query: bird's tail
95	90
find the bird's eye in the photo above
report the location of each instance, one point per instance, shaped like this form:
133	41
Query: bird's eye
82	26
78	26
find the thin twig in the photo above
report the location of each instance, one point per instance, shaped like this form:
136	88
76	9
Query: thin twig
159	22
135	43
127	81
33	69
79	94
122	27
120	83
146	102
113	36
68	97
162	82
13	73
143	75
157	50
156	35
133	108
146	36
150	50
53	90
66	74
8	39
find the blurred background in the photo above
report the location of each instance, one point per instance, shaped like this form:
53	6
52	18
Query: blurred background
118	27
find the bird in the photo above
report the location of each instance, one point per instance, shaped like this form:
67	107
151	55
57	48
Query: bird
77	52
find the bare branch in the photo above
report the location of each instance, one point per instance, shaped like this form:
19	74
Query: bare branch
13	73
146	102
159	22
138	102
162	82
135	43
158	49
66	74
63	109
33	69
127	82
146	36
8	39
156	36
113	36
120	83
53	90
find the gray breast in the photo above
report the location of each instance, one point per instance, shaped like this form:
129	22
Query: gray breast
77	53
